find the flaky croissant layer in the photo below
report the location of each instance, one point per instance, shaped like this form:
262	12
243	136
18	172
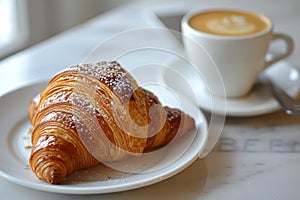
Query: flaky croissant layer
91	113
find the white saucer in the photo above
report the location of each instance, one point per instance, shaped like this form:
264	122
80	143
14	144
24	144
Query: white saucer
166	162
259	101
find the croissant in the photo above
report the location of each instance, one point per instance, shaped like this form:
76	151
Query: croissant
91	113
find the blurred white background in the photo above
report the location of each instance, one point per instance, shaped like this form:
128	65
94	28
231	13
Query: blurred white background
27	22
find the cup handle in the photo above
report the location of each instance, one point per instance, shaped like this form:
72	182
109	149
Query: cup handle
289	48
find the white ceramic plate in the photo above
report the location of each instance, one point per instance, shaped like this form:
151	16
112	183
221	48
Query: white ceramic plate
15	137
259	101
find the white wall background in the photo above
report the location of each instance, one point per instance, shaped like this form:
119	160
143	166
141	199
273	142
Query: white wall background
49	17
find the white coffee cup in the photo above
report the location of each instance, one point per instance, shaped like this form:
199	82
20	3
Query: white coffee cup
232	45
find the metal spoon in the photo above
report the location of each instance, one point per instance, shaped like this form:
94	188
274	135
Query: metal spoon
287	103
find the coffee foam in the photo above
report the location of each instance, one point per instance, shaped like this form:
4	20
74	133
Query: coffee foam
230	23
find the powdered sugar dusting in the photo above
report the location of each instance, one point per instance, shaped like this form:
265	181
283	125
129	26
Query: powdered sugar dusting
66	119
110	74
74	99
99	173
66	91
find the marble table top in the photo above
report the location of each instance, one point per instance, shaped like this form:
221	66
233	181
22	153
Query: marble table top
255	157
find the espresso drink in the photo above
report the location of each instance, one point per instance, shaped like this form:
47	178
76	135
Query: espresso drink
229	23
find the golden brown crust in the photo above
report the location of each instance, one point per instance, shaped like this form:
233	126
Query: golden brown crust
96	112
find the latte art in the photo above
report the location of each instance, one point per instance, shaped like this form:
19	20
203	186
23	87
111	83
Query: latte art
229	23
